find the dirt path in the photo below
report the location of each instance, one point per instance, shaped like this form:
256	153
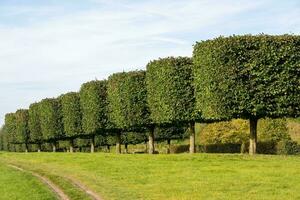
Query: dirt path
92	194
50	184
57	190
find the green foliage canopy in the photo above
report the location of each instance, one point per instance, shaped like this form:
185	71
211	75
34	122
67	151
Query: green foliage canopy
168	133
134	137
34	123
127	97
22	128
93	101
71	113
10	127
247	76
51	119
170	91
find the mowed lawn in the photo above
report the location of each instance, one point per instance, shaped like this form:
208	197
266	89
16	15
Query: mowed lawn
181	176
17	185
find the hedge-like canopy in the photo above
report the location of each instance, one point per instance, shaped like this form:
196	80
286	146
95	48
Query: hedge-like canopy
170	91
22	129
10	127
71	113
134	137
34	123
170	133
93	101
51	119
127	97
248	76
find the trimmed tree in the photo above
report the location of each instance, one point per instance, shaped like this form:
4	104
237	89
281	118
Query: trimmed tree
4	139
10	128
72	117
93	102
127	97
171	94
22	129
250	77
51	121
34	125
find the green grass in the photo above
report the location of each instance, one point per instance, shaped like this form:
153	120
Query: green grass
19	185
199	176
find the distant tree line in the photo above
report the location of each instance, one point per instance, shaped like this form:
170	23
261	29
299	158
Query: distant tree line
248	77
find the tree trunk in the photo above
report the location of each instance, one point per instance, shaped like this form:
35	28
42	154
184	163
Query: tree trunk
151	141
54	147
26	148
39	148
169	146
93	144
253	136
192	137
126	148
118	143
108	148
71	146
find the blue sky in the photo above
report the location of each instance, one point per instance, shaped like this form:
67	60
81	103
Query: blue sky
51	47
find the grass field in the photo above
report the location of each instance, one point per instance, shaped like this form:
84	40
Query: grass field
200	176
22	186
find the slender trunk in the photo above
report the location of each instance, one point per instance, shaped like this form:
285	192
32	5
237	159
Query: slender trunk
54	147
126	148
192	137
118	143
151	141
253	136
93	144
169	146
71	146
39	148
26	148
108	148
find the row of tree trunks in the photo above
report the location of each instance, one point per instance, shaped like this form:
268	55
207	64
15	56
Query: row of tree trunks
150	147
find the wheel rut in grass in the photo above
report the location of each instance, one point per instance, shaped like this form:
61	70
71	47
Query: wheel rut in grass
59	192
49	183
89	192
